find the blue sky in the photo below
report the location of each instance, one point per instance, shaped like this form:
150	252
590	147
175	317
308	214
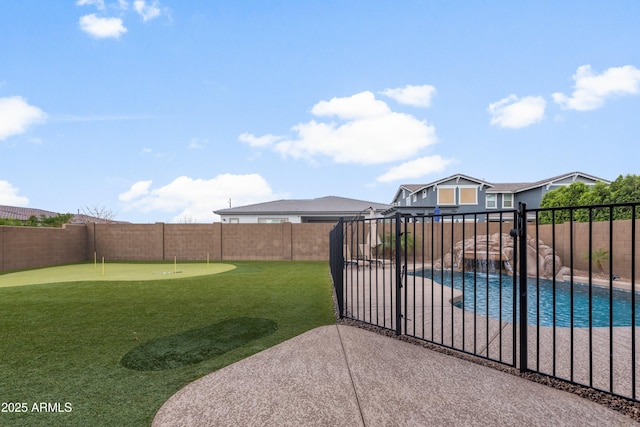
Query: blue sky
166	110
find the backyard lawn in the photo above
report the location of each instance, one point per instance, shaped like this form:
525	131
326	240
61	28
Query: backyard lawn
106	353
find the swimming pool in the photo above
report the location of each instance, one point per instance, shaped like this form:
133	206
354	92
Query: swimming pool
490	286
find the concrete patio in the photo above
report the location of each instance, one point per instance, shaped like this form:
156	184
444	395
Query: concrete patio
344	376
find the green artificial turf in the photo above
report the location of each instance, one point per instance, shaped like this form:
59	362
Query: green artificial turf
63	344
196	345
111	271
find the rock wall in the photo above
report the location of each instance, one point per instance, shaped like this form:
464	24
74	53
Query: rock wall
498	249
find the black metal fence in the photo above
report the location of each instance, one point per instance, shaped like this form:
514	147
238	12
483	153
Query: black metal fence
459	280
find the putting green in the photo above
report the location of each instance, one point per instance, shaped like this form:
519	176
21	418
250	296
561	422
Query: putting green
110	272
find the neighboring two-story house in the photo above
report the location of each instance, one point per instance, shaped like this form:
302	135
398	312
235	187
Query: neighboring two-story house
464	194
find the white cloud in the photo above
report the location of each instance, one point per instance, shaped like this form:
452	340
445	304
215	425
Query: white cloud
359	106
366	132
147	11
9	195
137	190
416	96
16	115
415	169
262	141
512	112
591	89
196	199
102	27
97	3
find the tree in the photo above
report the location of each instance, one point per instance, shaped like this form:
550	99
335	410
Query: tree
54	221
388	245
43	221
100	212
561	198
187	219
625	189
10	221
565	196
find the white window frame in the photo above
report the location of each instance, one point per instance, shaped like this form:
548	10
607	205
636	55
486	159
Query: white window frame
424	193
494	197
272	220
504	205
415	198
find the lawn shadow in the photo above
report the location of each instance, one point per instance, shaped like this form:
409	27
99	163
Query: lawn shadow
196	345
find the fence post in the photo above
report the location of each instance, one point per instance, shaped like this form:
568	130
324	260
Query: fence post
338	263
398	262
522	270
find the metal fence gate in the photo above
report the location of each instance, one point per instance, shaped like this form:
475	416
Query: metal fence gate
459	281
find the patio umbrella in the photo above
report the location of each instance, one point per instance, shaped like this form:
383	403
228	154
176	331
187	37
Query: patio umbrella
372	238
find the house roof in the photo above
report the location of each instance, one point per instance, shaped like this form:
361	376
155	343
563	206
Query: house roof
458	176
329	205
523	186
23	214
507	187
413	188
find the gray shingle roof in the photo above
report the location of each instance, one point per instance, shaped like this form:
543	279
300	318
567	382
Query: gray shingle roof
521	186
23	214
413	188
321	205
506	187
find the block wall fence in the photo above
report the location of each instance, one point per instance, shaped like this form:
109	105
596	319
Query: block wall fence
32	247
445	235
27	247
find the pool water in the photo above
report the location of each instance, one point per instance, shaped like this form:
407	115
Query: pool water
494	290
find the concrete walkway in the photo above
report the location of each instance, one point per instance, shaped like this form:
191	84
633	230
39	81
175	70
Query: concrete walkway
344	376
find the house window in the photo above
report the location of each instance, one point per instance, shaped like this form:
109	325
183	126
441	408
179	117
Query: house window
468	195
424	193
408	201
415	197
234	220
507	201
491	201
446	196
271	220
